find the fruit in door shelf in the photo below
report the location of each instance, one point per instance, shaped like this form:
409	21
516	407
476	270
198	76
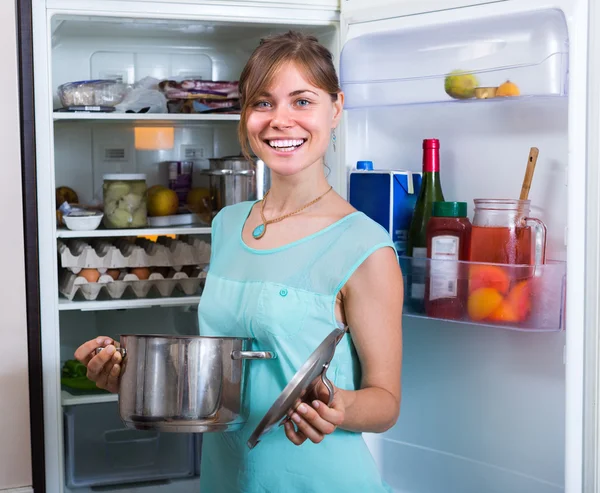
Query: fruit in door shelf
162	202
508	88
482	303
519	300
155	188
504	313
459	84
488	276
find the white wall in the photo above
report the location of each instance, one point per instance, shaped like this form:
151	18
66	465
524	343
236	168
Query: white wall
15	452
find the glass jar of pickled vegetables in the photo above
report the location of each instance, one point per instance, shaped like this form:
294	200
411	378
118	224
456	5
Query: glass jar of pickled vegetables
124	197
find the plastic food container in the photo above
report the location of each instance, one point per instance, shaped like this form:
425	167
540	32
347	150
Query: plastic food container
92	93
83	220
124	198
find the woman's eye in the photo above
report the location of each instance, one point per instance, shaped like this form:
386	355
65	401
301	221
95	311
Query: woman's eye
262	104
303	102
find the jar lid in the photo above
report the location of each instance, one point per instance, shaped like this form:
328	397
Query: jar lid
450	209
124	176
366	165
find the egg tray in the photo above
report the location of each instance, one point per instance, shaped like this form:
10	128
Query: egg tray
72	286
100	253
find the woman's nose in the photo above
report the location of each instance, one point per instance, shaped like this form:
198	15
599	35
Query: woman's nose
282	117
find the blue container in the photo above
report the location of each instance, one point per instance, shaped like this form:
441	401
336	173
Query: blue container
386	196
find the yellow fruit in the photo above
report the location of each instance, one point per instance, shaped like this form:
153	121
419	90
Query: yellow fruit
197	199
483	302
163	202
460	85
508	89
153	189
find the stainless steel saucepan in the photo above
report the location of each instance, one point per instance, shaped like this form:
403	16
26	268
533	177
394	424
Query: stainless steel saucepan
185	383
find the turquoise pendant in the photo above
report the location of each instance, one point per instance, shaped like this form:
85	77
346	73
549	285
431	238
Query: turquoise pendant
259	231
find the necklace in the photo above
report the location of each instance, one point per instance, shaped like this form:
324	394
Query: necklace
261	229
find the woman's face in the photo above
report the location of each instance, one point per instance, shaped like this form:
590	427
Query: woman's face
289	127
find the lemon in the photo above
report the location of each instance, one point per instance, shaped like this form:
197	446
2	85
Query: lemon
162	202
460	85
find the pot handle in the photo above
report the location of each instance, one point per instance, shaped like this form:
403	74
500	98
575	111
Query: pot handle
236	355
121	350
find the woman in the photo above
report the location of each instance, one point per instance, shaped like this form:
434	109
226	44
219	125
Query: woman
285	271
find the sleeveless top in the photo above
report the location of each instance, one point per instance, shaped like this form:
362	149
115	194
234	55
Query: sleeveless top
284	299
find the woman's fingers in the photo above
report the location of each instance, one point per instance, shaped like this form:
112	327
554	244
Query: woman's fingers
315	420
333	415
85	353
307	429
296	437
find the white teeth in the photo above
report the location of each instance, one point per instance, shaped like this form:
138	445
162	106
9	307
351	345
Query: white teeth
286	144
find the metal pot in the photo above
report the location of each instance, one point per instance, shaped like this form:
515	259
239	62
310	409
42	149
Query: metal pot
262	175
228	187
190	384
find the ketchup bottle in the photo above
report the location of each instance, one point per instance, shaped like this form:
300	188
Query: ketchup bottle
448	241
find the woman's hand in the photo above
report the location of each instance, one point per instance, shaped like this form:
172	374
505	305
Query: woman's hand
103	368
315	421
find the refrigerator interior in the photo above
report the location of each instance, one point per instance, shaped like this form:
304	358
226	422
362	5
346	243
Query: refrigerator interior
87	146
483	408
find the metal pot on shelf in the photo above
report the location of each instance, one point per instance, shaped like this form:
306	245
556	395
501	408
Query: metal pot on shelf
189	384
234	179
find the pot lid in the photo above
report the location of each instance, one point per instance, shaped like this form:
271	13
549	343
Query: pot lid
314	367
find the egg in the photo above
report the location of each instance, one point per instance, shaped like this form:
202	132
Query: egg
114	273
90	275
142	273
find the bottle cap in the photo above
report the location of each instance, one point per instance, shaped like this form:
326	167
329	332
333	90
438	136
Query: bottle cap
450	209
366	165
431	144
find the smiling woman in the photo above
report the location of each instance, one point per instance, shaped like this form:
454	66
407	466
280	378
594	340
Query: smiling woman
318	265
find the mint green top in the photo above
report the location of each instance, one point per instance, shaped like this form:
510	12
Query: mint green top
284	298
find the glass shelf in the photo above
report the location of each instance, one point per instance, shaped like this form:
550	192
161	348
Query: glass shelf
409	66
516	297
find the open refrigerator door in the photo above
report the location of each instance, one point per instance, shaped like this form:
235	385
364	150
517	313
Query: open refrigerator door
487	406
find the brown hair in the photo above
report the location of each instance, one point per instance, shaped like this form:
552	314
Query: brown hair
313	59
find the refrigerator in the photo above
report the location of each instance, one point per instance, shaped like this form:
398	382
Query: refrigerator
485	407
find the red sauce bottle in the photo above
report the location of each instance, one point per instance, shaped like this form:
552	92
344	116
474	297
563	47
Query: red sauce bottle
448	241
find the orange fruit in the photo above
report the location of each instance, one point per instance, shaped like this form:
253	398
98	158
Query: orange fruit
504	313
508	88
482	303
488	276
519	300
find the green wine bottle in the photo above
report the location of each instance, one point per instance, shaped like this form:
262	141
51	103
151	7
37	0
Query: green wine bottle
430	192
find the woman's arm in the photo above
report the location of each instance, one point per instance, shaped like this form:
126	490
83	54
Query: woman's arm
373	299
372	302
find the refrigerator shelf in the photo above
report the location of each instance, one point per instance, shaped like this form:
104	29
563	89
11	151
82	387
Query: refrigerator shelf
529	298
144	117
105	233
126	304
410	66
71	399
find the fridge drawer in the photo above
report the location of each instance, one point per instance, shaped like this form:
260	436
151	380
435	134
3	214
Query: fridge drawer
100	450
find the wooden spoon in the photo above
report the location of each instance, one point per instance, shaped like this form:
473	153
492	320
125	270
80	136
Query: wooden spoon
533	155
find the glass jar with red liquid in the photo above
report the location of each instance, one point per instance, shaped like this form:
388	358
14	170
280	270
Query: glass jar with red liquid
448	242
507	244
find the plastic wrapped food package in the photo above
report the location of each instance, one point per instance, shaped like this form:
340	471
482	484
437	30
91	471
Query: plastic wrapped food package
124	198
92	93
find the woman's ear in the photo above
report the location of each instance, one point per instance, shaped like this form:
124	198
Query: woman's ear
338	106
